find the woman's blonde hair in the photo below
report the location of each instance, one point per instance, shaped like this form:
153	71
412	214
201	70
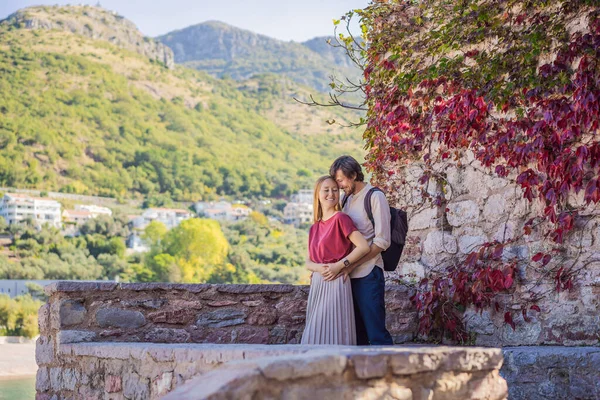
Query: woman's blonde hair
317	209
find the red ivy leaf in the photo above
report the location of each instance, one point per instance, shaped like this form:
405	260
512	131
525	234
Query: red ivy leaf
538	257
509	320
498	251
535	308
508	281
546	259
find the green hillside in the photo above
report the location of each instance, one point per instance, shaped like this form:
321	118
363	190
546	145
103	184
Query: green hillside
84	115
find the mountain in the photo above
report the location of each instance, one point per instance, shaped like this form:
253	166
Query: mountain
94	23
224	50
88	105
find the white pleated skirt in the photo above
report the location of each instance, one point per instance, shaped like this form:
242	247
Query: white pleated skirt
329	313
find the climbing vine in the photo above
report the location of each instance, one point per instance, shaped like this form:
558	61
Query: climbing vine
516	84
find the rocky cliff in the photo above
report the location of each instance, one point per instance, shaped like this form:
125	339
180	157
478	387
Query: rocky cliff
93	22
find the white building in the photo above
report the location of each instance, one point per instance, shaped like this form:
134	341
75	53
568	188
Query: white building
137	244
94	209
77	217
298	213
304	196
171	217
15	208
222	210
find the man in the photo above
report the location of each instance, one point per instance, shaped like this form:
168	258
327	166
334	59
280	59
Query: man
368	283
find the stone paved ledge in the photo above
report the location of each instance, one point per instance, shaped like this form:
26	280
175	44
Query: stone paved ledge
403	373
139	370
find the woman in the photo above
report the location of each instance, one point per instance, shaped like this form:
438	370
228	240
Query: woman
333	243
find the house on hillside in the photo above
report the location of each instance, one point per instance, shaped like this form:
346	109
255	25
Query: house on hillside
222	210
304	196
16	208
300	209
76	217
297	213
136	244
171	217
94	210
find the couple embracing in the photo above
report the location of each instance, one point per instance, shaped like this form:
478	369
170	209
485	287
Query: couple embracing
346	301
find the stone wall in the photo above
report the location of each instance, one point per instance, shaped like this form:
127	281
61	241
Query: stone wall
483	208
138	370
139	341
178	313
405	373
541	372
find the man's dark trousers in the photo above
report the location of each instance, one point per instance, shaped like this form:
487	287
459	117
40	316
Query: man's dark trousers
368	293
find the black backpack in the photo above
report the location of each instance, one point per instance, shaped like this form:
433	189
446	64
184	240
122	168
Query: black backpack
398	230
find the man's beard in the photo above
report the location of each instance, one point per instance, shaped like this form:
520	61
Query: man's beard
350	190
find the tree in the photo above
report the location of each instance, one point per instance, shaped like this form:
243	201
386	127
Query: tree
154	233
189	252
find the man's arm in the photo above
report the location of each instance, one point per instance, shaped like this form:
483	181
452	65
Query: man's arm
382	239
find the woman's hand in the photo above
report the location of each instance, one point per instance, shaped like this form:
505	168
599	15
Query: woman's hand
332	271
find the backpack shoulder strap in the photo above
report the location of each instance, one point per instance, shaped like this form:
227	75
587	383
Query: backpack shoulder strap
345	200
368	207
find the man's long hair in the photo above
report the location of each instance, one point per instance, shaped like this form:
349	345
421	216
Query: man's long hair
349	167
317	209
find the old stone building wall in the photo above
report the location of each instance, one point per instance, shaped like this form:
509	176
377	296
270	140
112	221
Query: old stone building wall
482	208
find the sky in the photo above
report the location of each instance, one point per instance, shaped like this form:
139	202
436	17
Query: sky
297	20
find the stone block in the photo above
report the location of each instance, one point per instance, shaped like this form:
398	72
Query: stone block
263	316
56	379
479	322
251	335
44	350
495	207
473	359
412	249
368	367
152	304
411	362
222	318
468	244
412	269
162	384
72	312
440	242
42	380
135	387
167	335
399	392
293	367
73	336
69	379
424	219
179	316
222	303
462	213
288	309
119	318
252	303
506	231
44	319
